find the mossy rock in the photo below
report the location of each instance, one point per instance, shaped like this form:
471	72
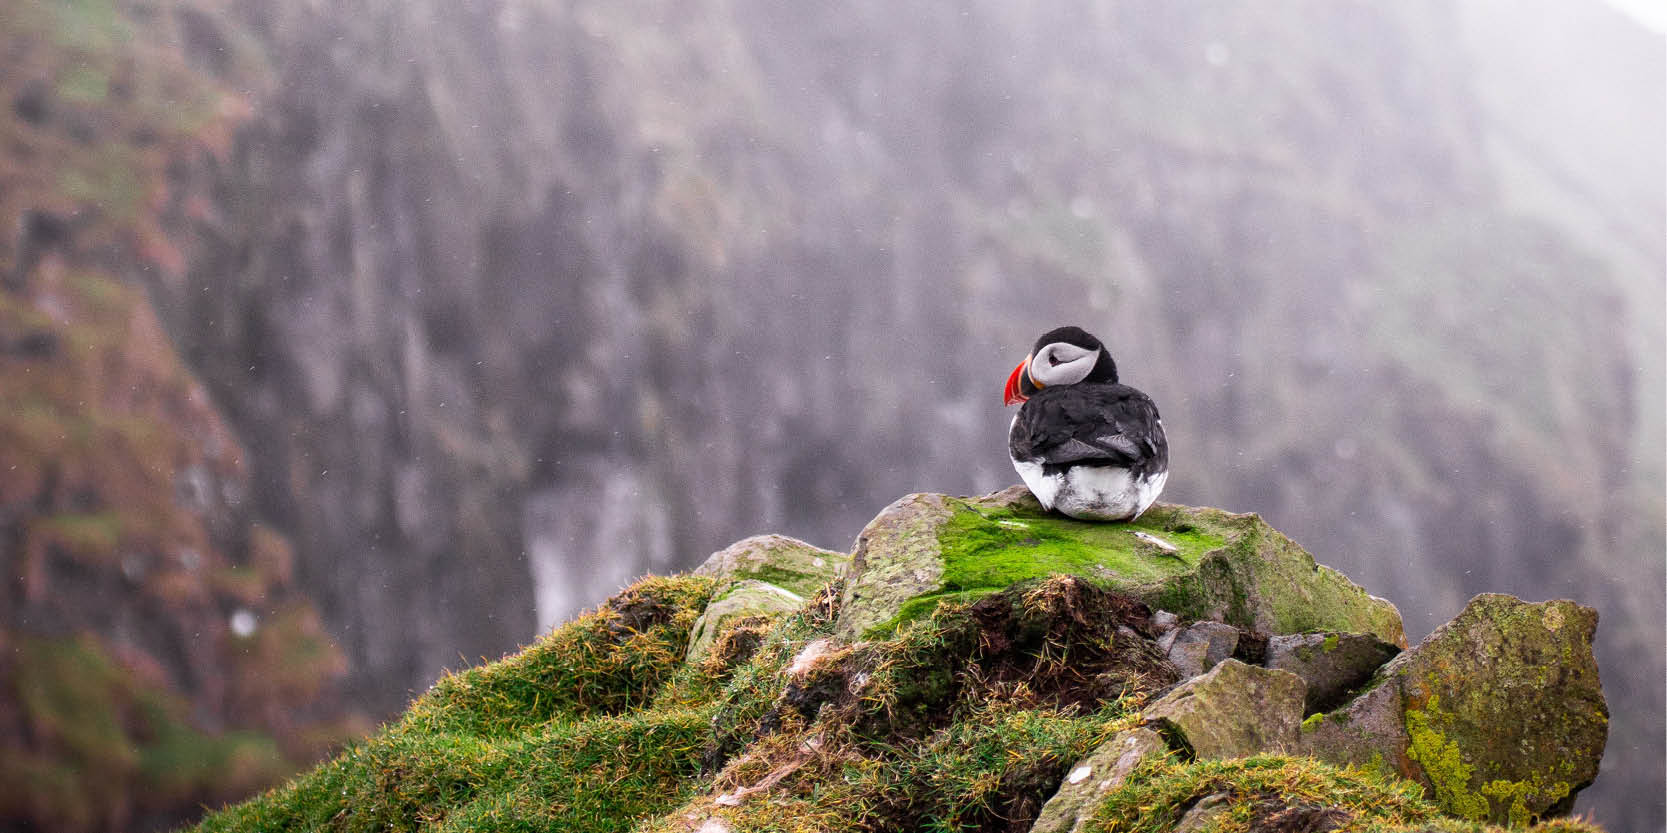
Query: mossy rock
788	563
929	548
763	576
1087	784
1233	711
1499	713
1274	793
747	598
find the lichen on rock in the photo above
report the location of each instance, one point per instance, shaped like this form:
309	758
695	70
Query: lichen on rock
1499	713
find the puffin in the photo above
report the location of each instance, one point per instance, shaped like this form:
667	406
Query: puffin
1086	446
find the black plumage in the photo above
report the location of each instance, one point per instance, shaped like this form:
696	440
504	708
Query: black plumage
1089	423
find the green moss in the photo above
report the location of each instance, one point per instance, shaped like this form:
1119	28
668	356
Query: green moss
987	549
790	580
996	548
1313	721
1161	790
1329	644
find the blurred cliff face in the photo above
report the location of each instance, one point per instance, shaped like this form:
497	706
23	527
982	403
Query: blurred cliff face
512	301
156	652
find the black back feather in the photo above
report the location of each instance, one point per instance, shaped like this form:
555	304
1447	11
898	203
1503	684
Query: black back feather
1090	424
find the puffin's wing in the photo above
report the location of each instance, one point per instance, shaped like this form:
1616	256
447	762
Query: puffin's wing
1098	424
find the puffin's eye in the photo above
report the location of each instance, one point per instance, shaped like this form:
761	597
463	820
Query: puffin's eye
1053	359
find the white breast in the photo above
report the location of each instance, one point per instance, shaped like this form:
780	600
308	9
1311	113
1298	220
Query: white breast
1095	493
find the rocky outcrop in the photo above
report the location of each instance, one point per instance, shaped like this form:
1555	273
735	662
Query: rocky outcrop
925	549
505	282
1238	576
1499	714
996	669
550	282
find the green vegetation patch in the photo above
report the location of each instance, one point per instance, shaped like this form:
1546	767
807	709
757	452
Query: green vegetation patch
608	661
965	719
536	741
94	723
986	549
591	775
1252	790
959	721
73	695
792	581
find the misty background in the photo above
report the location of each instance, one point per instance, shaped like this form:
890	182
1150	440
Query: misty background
391	334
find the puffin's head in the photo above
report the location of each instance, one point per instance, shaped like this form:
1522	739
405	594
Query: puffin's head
1064	356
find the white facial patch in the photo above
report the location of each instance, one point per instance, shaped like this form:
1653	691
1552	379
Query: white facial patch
1060	363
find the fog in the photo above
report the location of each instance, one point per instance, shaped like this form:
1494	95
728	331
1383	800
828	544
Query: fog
509	302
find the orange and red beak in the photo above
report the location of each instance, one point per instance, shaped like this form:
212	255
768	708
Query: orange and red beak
1014	393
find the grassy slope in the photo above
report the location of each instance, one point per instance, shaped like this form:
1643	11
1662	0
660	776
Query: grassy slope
965	720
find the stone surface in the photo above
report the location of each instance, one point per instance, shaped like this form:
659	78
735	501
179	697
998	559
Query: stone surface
1200	646
897	557
748	597
929	548
1103	771
785	562
1204	813
1499	713
1188	658
1233	711
1333	665
763	575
